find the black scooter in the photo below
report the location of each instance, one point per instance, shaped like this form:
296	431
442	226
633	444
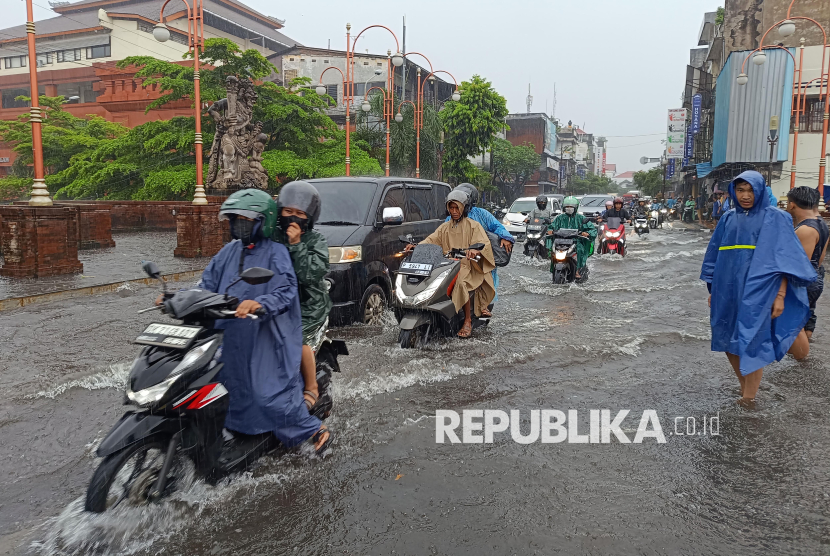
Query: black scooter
422	300
180	407
564	257
535	238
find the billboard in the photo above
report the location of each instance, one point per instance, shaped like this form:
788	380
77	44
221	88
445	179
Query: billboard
676	133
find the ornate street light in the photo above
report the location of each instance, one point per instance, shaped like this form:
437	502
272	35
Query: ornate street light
786	28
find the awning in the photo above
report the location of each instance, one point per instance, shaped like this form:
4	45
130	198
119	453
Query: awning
703	169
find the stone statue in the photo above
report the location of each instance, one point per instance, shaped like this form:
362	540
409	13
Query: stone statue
236	140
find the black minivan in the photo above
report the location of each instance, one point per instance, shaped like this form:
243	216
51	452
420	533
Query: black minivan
361	219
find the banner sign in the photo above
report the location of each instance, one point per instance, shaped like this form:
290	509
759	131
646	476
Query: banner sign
670	168
688	151
697	103
676	133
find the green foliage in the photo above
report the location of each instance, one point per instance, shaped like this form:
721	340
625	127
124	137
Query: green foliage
649	182
64	136
135	165
13	188
327	161
513	166
222	57
592	184
403	137
471	123
719	16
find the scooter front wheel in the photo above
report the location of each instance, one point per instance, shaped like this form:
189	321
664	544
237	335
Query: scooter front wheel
413	338
127	475
559	277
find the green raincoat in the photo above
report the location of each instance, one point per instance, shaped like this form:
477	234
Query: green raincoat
585	245
311	262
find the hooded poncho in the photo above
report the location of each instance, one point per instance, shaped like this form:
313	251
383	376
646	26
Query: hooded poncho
749	254
262	357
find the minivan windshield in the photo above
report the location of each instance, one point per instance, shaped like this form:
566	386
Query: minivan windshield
344	203
523	206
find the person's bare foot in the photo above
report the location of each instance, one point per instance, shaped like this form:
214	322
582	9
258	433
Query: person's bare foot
486	313
746	403
321	439
466	330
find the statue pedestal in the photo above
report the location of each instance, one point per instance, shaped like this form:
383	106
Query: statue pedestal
199	232
39	241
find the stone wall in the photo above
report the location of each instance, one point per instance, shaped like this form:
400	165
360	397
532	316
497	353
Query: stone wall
746	21
199	232
39	241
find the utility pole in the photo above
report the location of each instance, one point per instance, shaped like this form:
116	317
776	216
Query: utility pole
529	99
772	139
403	89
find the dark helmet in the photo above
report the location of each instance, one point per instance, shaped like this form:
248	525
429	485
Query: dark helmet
541	202
618	200
459	196
301	195
254	204
471	191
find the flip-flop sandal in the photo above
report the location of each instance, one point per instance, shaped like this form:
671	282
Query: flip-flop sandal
466	331
326	443
486	313
309	403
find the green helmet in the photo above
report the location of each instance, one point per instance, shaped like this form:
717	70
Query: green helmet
252	203
570	202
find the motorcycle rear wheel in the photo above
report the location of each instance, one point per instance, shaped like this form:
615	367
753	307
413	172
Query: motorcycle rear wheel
137	483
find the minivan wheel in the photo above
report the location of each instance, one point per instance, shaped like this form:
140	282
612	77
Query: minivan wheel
373	305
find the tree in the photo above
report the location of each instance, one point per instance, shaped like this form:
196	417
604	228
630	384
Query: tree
328	161
592	183
471	123
649	182
513	166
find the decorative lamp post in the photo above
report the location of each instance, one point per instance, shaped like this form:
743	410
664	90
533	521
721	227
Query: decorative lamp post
321	90
196	41
392	61
40	196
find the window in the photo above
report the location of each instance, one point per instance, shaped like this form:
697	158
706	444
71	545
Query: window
380	64
44	59
325	61
16	62
291	59
290	75
441	192
73	55
102	51
331	90
9	96
394	198
420	204
365	63
313	60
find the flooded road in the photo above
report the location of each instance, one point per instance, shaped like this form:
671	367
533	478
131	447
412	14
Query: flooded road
635	336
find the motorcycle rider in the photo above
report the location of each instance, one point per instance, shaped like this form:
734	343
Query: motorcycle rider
641	211
572	220
541	210
617	211
299	208
262	357
490	224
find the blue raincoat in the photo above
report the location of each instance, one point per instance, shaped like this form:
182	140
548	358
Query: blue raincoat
262	357
492	225
748	255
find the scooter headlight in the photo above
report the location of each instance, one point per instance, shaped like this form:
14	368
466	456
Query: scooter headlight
425	295
196	357
663	211
152	394
560	255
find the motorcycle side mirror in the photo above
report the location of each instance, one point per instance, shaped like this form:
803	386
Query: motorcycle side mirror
150	269
503	211
477	246
256	275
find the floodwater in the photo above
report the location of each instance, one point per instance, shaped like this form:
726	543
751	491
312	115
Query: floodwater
113	264
635	336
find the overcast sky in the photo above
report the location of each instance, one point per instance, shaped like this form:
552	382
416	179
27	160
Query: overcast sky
618	65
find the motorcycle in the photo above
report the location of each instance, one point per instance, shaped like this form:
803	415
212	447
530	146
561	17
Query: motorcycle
180	406
688	214
672	215
641	225
535	238
564	242
613	237
423	294
654	219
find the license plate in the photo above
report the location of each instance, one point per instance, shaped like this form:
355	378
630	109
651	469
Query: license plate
168	335
416	269
534	228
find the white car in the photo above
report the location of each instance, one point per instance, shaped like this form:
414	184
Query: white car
518	212
592	206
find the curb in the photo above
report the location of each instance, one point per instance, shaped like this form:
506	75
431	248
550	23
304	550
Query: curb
17	302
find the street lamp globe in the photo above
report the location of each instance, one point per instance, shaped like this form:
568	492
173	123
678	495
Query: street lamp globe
759	58
321	90
786	28
456	96
742	79
161	33
365	106
397	60
399	117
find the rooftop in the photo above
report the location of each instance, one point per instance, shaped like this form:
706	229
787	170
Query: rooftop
625	175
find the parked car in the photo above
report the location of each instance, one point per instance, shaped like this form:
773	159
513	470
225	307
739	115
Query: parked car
361	219
514	219
592	206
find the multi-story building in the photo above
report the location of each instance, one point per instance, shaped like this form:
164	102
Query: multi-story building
538	130
574	153
77	52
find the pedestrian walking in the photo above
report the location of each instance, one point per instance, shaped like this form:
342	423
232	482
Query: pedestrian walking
757	276
812	231
701	206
